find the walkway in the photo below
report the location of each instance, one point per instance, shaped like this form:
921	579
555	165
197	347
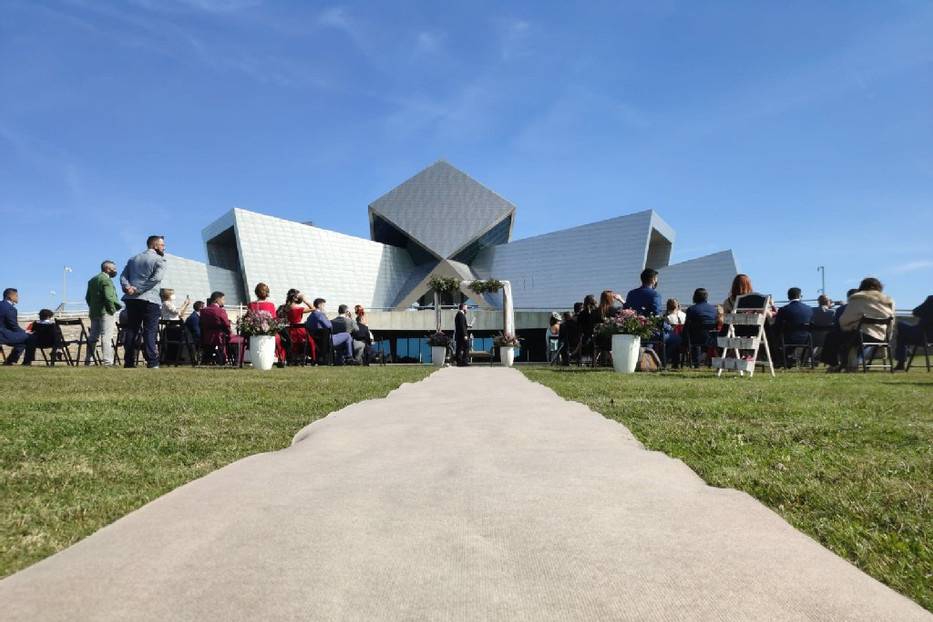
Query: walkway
475	494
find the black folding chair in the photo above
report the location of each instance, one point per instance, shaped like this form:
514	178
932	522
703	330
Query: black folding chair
295	353
173	337
46	337
119	342
805	348
926	344
868	348
64	345
324	345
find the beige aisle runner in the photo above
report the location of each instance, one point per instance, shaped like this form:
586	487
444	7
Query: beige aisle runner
475	494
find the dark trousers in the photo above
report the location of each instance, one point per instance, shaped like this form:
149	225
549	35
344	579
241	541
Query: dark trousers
463	351
144	316
19	343
836	346
907	335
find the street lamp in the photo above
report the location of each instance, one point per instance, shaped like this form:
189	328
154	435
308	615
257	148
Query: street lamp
65	286
822	270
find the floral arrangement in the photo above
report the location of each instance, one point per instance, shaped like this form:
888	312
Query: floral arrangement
506	340
442	284
630	322
483	287
256	323
439	340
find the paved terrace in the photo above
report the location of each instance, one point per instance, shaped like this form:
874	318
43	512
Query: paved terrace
475	494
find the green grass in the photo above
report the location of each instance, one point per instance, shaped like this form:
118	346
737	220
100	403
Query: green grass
847	459
79	448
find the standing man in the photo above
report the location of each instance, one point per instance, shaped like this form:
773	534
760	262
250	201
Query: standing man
462	336
101	298
140	281
11	333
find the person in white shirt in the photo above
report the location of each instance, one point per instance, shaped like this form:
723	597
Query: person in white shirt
674	315
169	310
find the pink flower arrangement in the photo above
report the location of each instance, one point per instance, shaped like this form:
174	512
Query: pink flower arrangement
256	323
630	322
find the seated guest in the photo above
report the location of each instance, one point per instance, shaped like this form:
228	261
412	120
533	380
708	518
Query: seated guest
673	315
46	318
741	286
792	317
610	303
700	321
318	321
193	323
295	307
215	329
11	333
344	323
823	314
169	310
587	319
363	334
645	300
913	334
842	308
568	337
262	303
868	301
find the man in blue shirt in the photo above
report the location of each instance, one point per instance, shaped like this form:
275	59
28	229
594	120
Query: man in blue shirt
701	319
193	323
140	281
645	300
11	333
317	320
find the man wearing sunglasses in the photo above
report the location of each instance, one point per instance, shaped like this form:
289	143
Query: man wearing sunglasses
140	281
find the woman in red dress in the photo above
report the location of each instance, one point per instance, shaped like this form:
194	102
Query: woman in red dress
294	310
262	303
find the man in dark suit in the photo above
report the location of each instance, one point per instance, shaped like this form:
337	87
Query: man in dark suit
792	317
913	334
462	336
11	333
193	323
701	319
645	300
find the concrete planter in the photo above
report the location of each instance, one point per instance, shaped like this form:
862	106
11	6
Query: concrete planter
507	355
625	350
438	354
262	351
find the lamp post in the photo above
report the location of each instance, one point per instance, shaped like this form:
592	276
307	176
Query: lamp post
65	286
822	271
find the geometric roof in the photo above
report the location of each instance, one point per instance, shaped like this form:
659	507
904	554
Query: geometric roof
443	211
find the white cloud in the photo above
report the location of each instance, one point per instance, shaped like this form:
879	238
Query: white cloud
514	39
429	42
912	266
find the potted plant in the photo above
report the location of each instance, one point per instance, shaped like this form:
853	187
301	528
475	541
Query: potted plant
485	287
261	327
627	329
506	343
438	342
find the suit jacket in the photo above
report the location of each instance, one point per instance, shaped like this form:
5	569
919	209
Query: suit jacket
215	325
925	313
823	317
461	330
194	325
317	320
645	300
790	317
11	333
144	272
701	318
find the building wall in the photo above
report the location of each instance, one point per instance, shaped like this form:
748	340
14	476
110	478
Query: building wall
714	272
198	279
340	268
554	270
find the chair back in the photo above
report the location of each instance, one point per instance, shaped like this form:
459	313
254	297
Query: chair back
868	320
324	343
46	335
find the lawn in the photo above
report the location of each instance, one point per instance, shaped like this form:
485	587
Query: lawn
847	459
79	448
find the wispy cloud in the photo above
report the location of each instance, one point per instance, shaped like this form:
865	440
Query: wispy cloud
912	266
429	42
514	38
209	6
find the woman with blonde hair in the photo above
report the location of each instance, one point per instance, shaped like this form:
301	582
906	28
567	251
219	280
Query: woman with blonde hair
262	303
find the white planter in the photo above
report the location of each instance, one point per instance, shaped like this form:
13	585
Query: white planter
507	355
625	350
262	351
438	354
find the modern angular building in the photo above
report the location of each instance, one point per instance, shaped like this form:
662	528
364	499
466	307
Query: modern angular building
441	222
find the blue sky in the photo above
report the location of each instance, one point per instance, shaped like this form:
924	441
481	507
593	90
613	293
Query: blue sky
798	134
